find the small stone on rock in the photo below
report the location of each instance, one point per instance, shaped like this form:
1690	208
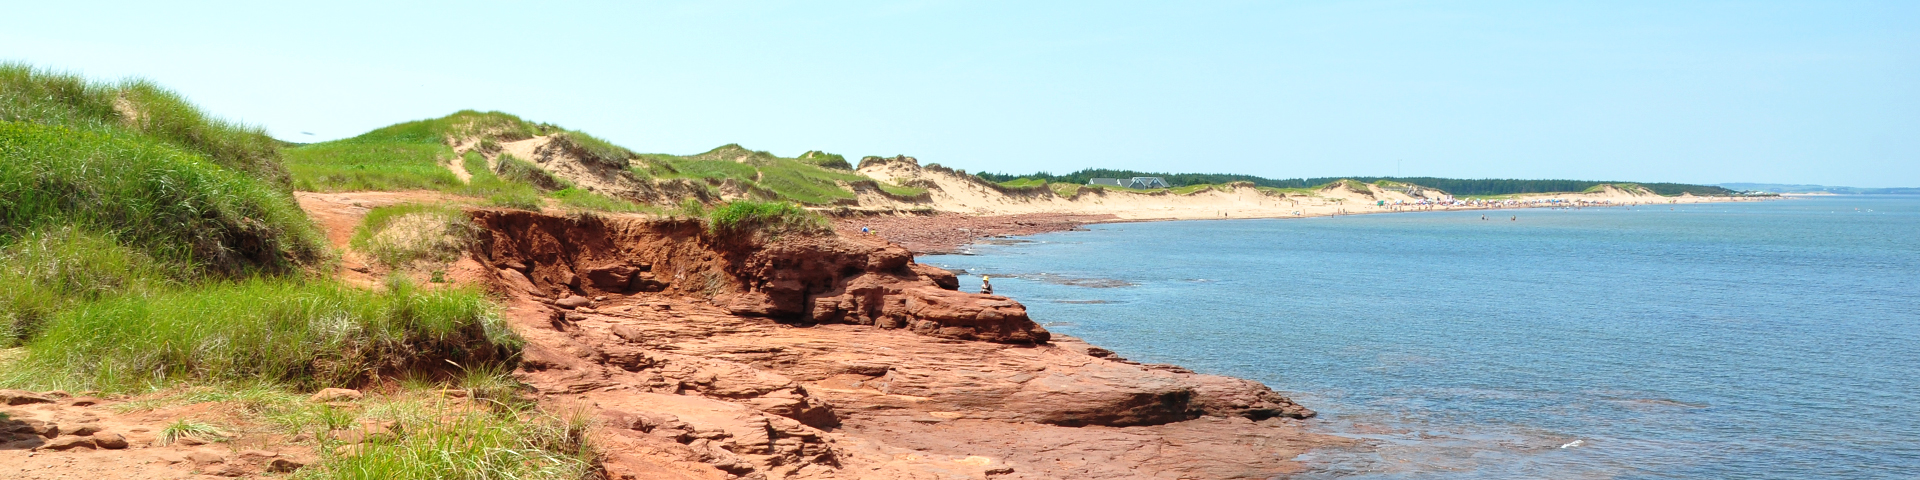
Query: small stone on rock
21	397
110	441
68	443
258	454
334	394
281	465
572	301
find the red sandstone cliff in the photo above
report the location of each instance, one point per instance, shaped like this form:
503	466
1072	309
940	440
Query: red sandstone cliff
839	357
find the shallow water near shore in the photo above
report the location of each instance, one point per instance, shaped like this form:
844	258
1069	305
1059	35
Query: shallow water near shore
1776	339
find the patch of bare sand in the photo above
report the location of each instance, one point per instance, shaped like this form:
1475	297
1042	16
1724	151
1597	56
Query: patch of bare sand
55	435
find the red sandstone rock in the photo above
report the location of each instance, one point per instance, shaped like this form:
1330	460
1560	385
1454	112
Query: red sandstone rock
21	397
857	280
834	357
110	441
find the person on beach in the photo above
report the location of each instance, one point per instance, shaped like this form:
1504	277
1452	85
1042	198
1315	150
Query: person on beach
986	286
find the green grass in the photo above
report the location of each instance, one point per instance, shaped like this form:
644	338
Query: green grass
576	198
464	123
440	441
185	428
370	166
305	334
513	169
1190	189
799	180
168	202
145	245
1628	187
825	160
517	200
492	433
401	236
594	150
47	272
900	191
1023	183
405	156
139	108
772	218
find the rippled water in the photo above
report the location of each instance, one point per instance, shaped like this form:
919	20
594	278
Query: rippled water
1772	339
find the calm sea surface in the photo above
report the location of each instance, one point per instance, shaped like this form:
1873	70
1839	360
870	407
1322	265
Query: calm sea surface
1774	339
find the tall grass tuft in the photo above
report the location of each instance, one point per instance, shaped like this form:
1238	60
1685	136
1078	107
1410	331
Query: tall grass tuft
45	272
310	334
514	169
772	218
439	440
150	195
138	107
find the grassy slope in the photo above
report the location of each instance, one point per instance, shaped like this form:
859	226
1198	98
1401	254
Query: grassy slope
410	156
144	245
137	107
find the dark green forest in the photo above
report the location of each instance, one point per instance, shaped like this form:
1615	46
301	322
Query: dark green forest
1456	186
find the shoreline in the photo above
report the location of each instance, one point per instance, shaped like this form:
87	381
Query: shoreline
948	233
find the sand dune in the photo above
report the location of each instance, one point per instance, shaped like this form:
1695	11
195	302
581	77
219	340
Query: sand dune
954	191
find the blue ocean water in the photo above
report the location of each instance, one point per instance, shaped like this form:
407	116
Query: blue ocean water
1776	339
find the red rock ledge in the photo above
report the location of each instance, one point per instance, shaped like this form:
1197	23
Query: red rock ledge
805	357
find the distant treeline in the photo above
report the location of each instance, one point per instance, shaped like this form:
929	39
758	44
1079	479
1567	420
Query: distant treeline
1456	186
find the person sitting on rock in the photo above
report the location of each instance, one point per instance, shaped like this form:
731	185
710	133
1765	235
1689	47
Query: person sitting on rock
986	286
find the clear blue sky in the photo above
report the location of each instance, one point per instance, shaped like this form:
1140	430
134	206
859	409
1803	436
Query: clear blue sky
1793	92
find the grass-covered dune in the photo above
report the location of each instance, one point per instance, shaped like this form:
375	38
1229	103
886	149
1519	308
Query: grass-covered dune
405	156
413	155
140	237
152	250
813	178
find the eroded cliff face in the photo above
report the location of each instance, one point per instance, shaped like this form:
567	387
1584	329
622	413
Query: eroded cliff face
796	279
839	357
